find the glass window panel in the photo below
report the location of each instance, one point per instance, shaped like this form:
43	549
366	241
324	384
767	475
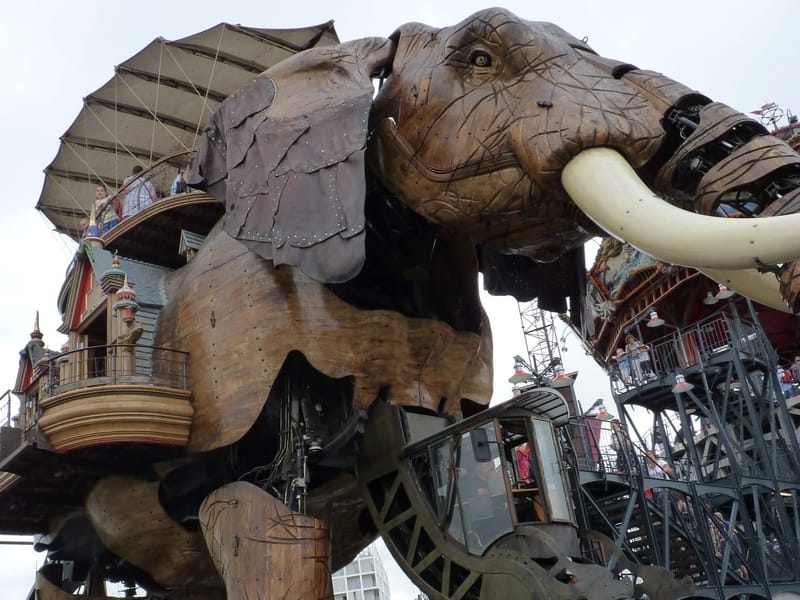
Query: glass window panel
551	476
354	583
352	568
482	494
368	580
338	585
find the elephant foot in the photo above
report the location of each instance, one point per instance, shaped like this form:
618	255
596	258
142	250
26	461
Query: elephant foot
790	285
262	549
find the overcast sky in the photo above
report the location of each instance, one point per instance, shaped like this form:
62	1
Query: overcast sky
52	54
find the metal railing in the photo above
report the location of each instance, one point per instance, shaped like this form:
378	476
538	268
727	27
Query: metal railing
684	348
117	364
5	409
598	447
160	175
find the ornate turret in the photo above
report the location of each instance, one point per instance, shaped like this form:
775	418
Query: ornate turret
35	349
126	305
113	279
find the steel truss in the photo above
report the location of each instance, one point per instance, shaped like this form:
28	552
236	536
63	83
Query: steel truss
727	515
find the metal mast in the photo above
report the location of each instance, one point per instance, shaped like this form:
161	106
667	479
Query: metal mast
541	339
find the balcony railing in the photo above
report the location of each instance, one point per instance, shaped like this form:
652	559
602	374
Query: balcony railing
5	409
160	175
684	348
117	364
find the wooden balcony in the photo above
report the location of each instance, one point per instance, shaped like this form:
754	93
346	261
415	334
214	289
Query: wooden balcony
116	394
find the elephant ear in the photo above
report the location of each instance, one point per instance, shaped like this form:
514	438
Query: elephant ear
286	155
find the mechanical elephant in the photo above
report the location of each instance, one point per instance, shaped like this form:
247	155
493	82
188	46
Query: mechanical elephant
344	272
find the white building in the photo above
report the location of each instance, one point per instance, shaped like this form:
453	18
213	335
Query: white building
363	579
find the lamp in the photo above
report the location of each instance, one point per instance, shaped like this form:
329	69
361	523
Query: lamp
655	320
681	385
710	299
724	292
521	373
561	379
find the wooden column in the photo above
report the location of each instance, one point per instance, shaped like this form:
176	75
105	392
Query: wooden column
262	549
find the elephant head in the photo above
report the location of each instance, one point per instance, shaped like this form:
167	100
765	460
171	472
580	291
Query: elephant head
490	129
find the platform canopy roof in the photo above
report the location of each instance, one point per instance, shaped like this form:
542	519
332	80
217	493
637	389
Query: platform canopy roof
154	107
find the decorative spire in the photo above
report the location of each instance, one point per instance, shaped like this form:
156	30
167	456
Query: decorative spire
112	279
35	346
126	304
93	235
36	334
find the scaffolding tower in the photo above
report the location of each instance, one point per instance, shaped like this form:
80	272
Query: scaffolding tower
541	337
720	502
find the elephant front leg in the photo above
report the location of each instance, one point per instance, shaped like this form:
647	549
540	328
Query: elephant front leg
262	549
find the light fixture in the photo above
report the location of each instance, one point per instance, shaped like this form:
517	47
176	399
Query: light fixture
710	299
561	379
655	320
521	373
724	292
681	385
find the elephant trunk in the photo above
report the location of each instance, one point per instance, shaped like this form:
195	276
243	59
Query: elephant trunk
720	163
733	168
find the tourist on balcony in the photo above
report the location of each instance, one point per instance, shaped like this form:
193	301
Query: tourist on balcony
105	209
795	369
785	379
623	366
140	193
641	368
179	186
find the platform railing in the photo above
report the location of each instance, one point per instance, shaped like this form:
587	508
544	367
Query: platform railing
598	447
5	409
117	364
160	175
684	348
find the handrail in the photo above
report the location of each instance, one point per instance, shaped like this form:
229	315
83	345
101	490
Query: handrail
5	409
117	364
683	348
161	174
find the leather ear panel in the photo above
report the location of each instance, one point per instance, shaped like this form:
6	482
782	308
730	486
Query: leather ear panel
286	155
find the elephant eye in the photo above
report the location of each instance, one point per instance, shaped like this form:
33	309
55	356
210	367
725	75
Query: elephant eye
479	58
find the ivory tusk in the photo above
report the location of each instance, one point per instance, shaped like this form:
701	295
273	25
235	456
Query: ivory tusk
602	183
761	287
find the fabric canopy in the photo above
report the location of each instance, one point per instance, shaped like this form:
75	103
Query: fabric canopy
154	108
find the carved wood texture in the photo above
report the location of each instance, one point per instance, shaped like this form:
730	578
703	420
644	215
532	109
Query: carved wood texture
262	549
239	317
114	414
130	522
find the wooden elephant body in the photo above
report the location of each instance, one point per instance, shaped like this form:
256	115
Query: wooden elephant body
343	275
